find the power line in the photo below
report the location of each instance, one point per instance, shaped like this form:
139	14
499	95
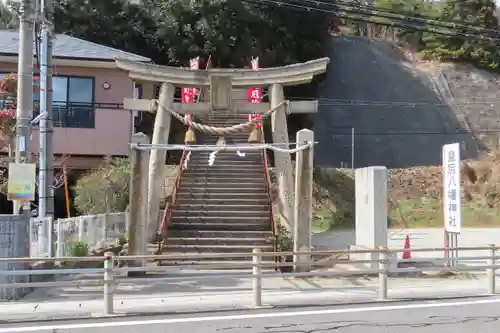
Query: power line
401	15
367	20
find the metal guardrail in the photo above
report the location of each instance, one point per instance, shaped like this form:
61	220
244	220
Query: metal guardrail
110	271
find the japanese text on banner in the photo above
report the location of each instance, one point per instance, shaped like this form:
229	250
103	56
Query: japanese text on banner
451	187
188	95
255	94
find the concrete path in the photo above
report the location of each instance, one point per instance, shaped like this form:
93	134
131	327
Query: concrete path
226	294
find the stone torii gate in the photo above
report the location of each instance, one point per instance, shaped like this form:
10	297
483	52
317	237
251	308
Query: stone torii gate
221	83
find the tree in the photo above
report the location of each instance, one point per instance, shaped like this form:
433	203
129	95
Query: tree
173	31
105	190
408	8
479	13
113	23
8	92
7	15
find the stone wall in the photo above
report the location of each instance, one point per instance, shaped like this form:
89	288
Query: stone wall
14	243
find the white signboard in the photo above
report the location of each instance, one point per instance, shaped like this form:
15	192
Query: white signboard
451	187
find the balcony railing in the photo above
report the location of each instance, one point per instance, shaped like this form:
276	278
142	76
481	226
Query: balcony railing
74	115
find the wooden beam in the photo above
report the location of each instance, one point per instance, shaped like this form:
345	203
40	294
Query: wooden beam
296	107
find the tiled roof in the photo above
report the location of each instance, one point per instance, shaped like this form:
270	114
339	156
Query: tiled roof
69	47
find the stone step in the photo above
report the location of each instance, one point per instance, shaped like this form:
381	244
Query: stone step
203	165
227	234
262	200
219	219
227	155
223	119
229	165
191	178
242	265
252	153
243	137
223	123
225	214
219	241
226	170
224	207
256	160
219	226
224	195
216	248
234	189
208	186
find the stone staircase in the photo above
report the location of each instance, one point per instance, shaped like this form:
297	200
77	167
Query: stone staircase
223	208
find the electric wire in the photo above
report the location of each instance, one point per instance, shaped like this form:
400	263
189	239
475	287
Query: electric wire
363	18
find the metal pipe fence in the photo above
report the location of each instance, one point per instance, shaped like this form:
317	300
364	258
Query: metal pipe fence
109	279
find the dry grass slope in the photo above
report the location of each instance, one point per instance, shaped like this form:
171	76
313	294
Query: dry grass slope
415	195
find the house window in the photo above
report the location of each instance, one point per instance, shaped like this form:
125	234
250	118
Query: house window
72	101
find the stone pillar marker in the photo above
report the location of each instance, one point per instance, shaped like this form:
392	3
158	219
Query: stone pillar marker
138	202
220	93
303	210
157	159
371	210
282	160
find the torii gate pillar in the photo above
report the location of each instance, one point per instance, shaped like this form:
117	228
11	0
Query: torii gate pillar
282	160
161	131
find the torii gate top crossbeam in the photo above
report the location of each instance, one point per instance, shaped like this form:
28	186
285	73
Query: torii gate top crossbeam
289	75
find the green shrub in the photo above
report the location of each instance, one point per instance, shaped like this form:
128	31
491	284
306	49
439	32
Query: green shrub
79	249
284	240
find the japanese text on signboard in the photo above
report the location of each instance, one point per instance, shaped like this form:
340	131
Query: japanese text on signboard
451	169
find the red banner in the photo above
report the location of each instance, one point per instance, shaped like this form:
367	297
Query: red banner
188	95
255	94
255	116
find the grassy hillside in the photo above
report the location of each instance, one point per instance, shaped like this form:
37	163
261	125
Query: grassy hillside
414	196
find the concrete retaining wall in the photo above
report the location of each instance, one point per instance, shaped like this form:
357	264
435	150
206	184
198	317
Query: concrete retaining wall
14	243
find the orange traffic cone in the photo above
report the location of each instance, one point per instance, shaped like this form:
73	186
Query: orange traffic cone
407	254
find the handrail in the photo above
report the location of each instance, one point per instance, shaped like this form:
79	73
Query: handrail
267	179
170	202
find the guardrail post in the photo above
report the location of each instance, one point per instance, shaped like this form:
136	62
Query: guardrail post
383	256
257	278
108	283
492	271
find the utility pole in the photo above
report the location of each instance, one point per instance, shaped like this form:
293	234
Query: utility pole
24	111
46	180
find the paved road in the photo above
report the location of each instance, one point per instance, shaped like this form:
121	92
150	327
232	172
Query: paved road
458	316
